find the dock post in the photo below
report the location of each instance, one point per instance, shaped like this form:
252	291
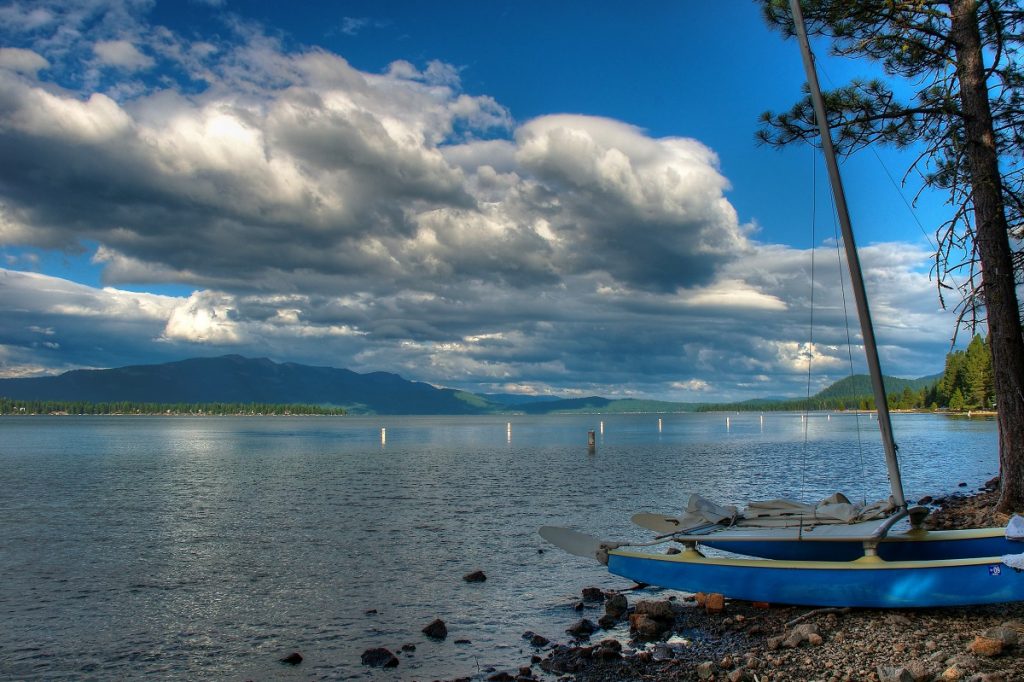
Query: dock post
591	442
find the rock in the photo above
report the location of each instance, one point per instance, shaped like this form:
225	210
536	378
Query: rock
539	641
408	647
606	622
294	658
814	639
616	605
714	603
763	605
379	658
921	670
662	652
897	619
608	650
800	634
436	630
986	646
475	577
582	628
579	606
463	641
894	673
645	627
593	594
705	670
658	610
1006	635
737	675
500	677
726	663
951	674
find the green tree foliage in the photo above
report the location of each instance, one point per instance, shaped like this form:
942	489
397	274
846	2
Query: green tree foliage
967	383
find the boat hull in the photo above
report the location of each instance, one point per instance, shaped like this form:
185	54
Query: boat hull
866	583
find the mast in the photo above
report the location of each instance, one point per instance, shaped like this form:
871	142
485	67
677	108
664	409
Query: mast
856	277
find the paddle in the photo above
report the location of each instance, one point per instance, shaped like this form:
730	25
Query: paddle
659	523
573	541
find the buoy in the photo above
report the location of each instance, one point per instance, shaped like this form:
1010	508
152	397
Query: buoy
383	435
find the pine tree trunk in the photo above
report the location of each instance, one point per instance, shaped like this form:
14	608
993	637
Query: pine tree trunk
992	240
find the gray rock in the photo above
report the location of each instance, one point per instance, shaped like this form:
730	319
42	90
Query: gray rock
1006	635
894	673
379	658
436	630
616	605
582	628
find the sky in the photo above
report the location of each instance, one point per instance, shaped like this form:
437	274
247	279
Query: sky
503	197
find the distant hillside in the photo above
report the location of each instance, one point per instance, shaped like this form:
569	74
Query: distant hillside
595	404
234	379
237	380
860	385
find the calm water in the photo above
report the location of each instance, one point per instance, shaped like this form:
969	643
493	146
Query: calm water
210	547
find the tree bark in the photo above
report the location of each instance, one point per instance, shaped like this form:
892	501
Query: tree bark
992	241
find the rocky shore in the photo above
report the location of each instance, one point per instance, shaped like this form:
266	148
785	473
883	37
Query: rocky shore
708	638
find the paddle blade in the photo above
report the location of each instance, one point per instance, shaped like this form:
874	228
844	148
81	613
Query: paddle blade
659	523
572	541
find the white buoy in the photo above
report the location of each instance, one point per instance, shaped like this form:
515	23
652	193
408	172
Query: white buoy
762	422
659	424
508	430
829	417
602	428
383	435
727	426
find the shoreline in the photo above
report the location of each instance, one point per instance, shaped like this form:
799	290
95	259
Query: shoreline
767	643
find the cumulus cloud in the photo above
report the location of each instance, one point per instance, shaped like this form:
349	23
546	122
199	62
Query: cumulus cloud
121	54
22	61
383	220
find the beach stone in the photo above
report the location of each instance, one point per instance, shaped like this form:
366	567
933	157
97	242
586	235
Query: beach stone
645	627
986	646
952	673
616	605
379	658
662	652
607	622
436	630
1006	635
475	577
582	628
894	673
705	670
294	658
658	610
714	603
500	677
921	670
593	594
539	641
737	675
408	647
608	650
800	634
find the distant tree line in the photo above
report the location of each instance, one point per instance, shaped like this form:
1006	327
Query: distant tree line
966	384
9	406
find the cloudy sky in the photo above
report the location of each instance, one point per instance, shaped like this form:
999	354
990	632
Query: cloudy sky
497	196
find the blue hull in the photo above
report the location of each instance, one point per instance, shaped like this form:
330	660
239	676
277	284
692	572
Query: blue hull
878	584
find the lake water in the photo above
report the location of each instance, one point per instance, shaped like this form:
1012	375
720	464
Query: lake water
185	548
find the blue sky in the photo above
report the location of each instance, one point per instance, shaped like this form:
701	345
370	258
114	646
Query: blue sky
530	197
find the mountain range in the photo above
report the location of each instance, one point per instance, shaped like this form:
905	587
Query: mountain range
235	379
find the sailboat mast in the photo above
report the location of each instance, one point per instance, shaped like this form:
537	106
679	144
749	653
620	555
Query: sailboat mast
856	277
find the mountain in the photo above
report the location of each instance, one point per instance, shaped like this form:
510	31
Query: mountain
234	379
859	385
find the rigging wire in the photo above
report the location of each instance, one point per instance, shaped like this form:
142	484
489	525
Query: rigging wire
810	326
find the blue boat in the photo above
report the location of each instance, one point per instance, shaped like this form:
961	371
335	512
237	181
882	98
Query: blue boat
865	582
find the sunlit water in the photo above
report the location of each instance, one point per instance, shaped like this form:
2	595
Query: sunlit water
190	548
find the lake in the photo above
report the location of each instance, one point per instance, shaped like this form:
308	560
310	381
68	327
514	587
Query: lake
190	547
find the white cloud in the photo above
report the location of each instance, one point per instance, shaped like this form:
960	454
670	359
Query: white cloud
121	54
206	317
22	61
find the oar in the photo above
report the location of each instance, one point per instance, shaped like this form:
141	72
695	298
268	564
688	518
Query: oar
573	541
